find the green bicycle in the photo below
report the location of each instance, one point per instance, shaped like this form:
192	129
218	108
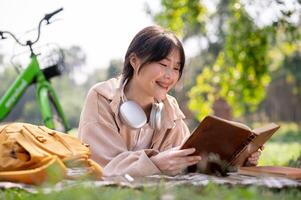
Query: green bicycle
47	98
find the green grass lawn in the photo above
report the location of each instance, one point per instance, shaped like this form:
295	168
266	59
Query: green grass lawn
283	149
211	191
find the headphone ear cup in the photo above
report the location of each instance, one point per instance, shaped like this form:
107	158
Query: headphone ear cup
132	114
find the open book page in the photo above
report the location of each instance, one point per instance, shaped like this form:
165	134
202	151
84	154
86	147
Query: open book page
234	123
266	129
241	125
264	133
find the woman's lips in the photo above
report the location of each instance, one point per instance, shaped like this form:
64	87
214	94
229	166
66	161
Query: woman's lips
163	85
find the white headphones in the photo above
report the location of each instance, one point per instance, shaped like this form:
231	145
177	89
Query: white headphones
134	116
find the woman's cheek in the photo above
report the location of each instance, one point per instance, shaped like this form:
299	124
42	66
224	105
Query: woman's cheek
160	71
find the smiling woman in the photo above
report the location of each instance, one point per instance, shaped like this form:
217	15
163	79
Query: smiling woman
132	125
130	122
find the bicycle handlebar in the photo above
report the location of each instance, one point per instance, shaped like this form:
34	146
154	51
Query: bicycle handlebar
48	16
29	42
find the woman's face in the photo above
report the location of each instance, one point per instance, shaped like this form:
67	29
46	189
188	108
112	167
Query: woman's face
157	78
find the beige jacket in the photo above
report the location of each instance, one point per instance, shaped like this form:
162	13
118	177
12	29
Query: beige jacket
118	148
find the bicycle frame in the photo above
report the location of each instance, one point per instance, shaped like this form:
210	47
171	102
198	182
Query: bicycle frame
44	91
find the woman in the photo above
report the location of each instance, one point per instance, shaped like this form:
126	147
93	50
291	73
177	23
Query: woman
113	118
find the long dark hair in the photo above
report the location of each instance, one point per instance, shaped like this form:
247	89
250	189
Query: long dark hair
152	44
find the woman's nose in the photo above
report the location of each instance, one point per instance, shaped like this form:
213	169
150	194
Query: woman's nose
169	73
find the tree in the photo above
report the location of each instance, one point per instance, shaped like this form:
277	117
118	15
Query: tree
240	73
115	68
185	17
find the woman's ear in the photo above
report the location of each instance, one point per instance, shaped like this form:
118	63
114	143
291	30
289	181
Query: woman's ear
135	62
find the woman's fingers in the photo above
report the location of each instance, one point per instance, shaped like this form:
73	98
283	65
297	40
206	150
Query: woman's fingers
174	160
254	157
188	159
183	152
253	162
256	154
183	162
183	165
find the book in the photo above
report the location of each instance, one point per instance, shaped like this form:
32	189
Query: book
277	171
225	145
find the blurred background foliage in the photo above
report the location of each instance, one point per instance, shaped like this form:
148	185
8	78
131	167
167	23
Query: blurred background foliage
249	69
246	67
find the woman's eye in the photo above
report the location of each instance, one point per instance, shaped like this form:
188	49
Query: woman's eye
164	65
176	69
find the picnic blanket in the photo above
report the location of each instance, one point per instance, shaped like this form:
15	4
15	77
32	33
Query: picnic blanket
203	179
193	179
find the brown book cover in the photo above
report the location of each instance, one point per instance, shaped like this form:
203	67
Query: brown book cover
278	171
225	145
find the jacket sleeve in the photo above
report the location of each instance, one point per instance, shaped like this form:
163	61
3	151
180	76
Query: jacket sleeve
98	129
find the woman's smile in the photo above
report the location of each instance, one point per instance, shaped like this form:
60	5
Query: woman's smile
163	85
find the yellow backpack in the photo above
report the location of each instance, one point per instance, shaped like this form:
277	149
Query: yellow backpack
28	153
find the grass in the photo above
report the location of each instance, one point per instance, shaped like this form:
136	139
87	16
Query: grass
279	153
211	191
283	149
284	146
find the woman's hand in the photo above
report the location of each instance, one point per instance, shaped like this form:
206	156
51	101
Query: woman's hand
253	159
173	161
